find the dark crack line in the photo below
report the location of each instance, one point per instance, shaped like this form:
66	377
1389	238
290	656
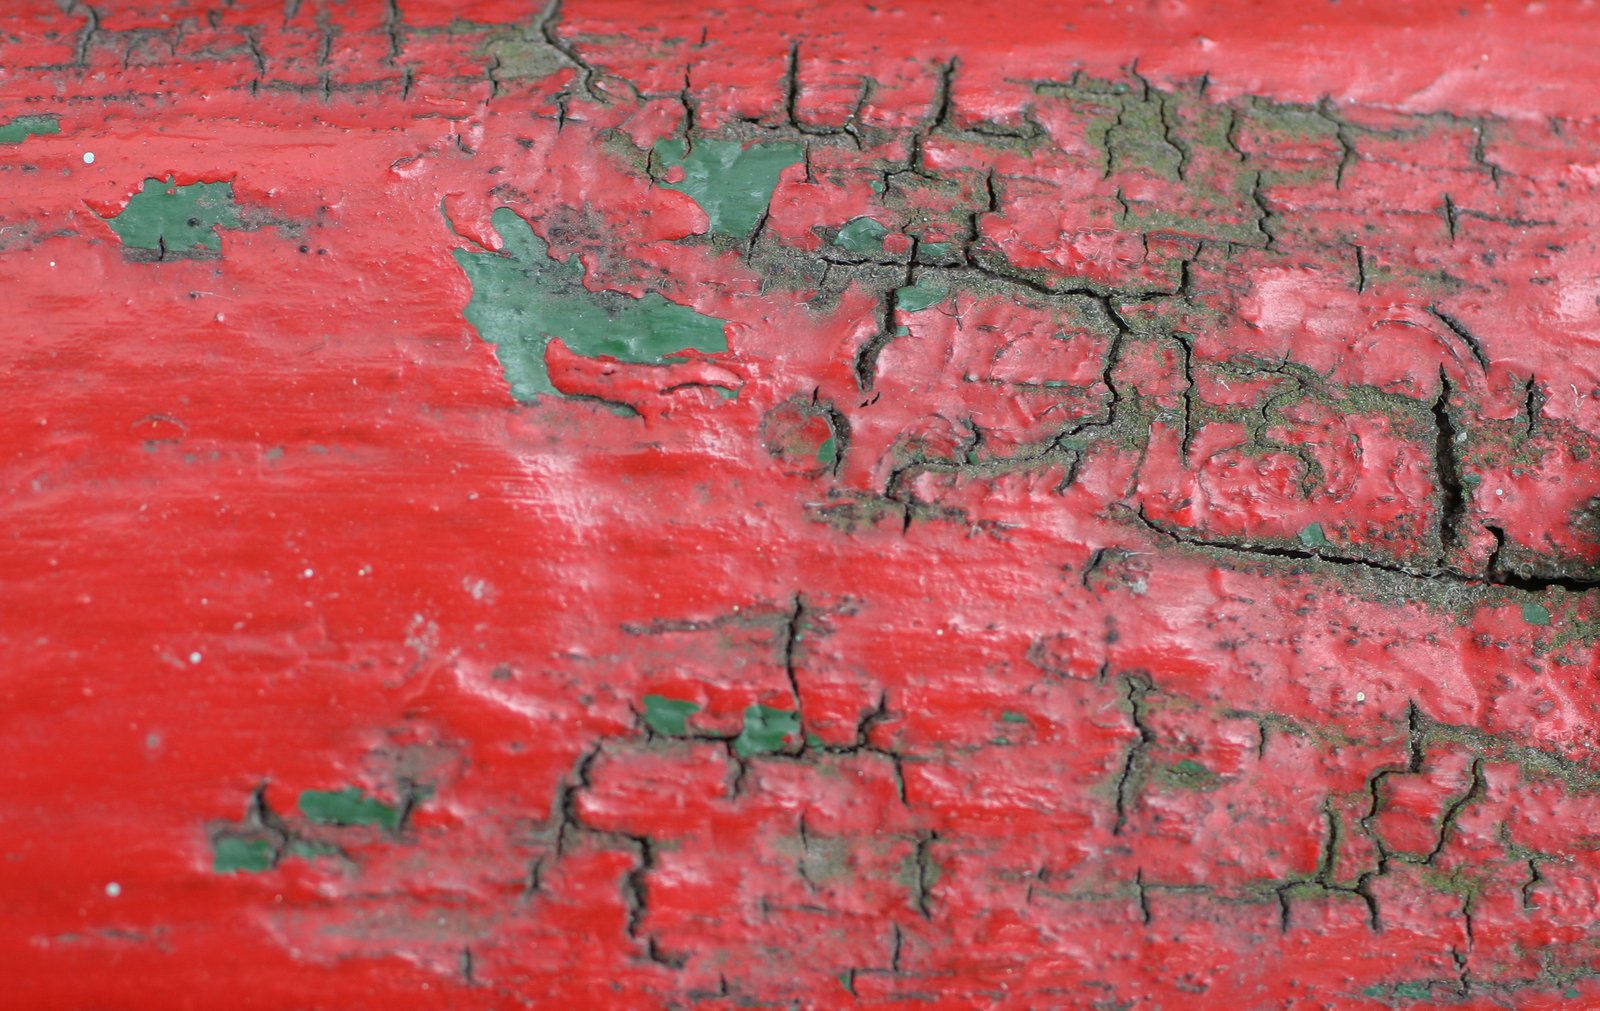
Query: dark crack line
1138	686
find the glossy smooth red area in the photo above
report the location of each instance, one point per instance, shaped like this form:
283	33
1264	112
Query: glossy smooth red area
1152	562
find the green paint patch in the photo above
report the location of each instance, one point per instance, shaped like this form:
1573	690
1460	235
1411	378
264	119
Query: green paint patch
765	730
522	297
668	716
20	129
1010	717
934	251
919	296
1535	613
348	807
232	853
1313	537
176	219
732	183
862	235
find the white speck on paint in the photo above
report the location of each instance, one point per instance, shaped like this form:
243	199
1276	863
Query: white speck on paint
113	889
1361	696
88	157
195	657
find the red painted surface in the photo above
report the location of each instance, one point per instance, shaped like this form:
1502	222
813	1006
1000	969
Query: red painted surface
1092	715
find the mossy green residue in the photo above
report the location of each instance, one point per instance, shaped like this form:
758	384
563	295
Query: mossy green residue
307	849
1188	774
522	297
732	183
765	729
230	853
1402	992
862	235
1535	613
176	218
17	130
668	716
919	296
348	807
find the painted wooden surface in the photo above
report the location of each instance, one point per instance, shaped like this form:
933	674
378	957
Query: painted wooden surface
799	505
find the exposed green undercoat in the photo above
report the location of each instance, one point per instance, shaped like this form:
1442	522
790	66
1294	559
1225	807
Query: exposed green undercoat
828	452
522	297
919	296
1313	537
231	853
732	183
765	730
668	716
862	235
348	807
17	130
176	218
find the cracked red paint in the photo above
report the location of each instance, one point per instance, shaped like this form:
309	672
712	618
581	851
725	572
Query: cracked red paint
1156	570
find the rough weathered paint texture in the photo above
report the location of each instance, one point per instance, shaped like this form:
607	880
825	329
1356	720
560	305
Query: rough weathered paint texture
801	506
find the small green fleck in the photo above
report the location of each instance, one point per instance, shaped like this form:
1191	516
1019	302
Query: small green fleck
1313	537
933	250
727	392
230	853
765	729
919	296
1412	991
1013	717
1472	480
1376	990
828	452
1535	613
347	807
668	716
176	219
17	130
862	235
732	183
877	186
813	741
1572	992
902	330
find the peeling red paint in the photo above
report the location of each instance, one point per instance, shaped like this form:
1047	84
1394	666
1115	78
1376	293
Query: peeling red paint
1160	572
